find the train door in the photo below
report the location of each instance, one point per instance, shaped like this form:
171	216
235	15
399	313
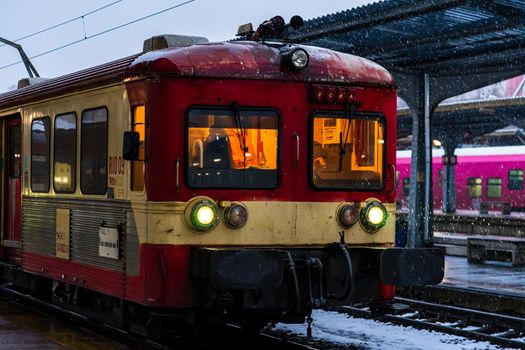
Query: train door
12	198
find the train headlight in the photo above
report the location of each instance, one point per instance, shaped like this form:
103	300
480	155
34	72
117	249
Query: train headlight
202	214
373	216
347	215
294	58
236	215
299	59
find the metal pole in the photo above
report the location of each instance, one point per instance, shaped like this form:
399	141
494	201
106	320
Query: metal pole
420	216
449	180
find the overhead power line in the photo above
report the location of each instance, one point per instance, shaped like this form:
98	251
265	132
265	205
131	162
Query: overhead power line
65	22
101	33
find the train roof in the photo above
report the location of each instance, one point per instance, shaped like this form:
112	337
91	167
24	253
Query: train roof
238	60
472	151
251	60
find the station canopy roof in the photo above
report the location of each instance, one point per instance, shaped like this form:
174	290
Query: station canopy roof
439	37
461	44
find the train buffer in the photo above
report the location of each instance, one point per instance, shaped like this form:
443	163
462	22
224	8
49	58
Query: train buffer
496	248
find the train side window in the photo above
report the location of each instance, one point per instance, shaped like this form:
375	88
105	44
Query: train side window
406	186
440	178
494	187
515	179
40	163
94	151
138	166
65	152
474	185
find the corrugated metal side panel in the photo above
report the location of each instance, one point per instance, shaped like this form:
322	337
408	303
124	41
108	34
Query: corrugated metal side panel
38	227
86	219
132	247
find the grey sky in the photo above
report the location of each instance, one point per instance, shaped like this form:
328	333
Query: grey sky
217	20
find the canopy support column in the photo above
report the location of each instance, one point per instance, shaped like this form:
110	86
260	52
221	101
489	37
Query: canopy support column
449	177
420	215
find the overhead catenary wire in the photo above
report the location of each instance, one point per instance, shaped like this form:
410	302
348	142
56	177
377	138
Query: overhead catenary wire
101	33
65	22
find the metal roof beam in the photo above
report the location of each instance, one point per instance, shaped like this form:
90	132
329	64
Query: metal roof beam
449	33
490	64
397	11
502	10
432	58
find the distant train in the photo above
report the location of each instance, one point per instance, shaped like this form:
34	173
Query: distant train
245	181
490	176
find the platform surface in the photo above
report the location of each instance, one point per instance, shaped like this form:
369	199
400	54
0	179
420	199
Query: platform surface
491	276
21	329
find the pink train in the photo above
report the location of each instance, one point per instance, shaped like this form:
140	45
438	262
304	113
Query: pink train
484	176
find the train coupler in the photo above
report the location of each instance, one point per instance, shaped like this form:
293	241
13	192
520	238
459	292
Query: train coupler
412	266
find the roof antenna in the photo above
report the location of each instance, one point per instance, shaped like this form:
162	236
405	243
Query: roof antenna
29	66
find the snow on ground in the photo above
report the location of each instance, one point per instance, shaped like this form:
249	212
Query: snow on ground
368	334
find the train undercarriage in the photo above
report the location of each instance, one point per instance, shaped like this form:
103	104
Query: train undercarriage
251	287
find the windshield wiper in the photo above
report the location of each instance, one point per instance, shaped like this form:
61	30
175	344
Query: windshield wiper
240	130
342	146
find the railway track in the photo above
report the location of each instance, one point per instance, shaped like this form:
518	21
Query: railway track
502	330
479	299
227	336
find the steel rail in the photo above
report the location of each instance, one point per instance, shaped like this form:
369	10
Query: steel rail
473	324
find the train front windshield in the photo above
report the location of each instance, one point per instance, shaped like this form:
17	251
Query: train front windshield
232	149
347	152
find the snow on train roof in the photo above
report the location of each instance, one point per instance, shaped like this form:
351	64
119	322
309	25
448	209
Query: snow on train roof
248	59
471	151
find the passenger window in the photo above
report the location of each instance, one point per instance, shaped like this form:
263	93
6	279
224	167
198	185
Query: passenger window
40	163
515	179
406	186
494	187
138	166
474	186
65	161
94	151
226	149
440	178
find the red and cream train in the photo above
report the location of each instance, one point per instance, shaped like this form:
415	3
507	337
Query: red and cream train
249	180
